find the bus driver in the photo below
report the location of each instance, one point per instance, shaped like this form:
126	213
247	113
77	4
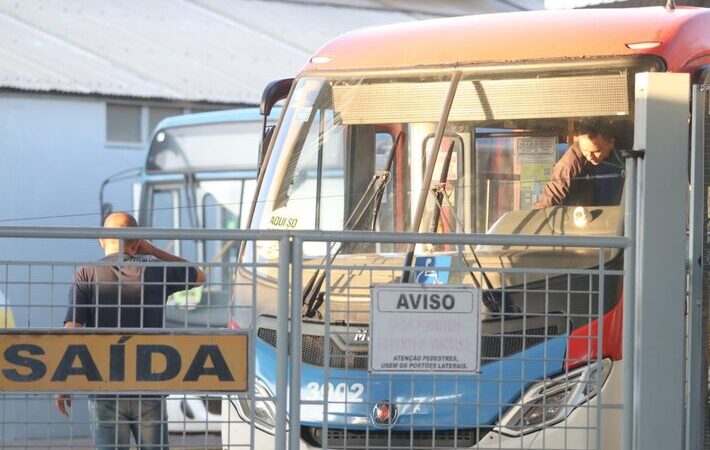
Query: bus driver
589	173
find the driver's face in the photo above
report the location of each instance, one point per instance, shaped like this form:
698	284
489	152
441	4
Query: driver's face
595	148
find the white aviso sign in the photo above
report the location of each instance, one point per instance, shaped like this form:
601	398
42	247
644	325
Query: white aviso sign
422	328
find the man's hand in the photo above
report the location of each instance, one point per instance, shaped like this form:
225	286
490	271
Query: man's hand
63	403
146	248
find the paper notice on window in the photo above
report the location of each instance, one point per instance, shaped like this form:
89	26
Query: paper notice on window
536	149
535	159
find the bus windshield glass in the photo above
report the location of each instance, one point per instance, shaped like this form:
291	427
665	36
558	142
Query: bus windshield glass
211	147
353	153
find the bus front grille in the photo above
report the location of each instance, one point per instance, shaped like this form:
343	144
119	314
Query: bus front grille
313	351
381	439
493	346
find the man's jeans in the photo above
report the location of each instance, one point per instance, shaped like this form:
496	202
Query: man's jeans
114	419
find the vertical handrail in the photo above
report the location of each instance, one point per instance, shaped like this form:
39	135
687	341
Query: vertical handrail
629	295
282	343
296	344
695	398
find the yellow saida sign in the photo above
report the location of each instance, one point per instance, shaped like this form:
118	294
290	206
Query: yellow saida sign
122	362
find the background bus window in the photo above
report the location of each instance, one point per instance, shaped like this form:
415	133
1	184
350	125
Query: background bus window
218	216
164	213
170	208
188	219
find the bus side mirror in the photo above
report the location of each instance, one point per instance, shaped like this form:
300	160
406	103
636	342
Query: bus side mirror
265	140
127	174
273	93
106	209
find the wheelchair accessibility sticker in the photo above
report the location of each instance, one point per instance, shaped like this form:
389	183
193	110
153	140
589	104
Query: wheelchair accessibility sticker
436	269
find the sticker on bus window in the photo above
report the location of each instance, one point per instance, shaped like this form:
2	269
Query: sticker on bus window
282	219
434	272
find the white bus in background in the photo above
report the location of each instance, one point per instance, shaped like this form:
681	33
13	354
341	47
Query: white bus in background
200	172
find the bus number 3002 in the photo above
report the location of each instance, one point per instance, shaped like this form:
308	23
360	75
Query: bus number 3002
339	392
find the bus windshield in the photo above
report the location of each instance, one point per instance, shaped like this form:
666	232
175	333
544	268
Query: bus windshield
352	153
204	147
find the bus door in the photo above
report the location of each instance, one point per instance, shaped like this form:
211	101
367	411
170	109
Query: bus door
163	212
223	204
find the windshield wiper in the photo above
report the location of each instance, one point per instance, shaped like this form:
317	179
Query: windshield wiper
312	295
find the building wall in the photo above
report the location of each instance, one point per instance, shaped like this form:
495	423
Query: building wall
53	158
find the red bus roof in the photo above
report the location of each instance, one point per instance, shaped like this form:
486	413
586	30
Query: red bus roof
684	34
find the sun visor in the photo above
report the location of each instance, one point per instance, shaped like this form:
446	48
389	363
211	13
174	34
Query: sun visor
479	100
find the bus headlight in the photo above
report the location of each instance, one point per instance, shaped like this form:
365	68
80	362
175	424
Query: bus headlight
549	402
264	414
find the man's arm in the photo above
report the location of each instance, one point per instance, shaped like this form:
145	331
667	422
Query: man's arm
556	190
63	401
147	248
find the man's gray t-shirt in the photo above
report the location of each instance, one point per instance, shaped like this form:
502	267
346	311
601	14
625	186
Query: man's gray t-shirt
125	296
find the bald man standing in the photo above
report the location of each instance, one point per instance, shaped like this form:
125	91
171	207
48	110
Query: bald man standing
125	295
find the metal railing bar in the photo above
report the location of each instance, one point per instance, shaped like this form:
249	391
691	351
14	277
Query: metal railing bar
95	263
314	236
509	270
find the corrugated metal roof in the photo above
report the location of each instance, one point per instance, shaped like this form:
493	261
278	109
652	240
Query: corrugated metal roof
222	51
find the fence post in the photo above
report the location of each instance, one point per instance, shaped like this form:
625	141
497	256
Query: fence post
295	381
282	343
696	379
630	224
661	128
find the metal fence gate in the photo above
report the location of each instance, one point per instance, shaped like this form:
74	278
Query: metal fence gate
194	336
542	381
539	340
